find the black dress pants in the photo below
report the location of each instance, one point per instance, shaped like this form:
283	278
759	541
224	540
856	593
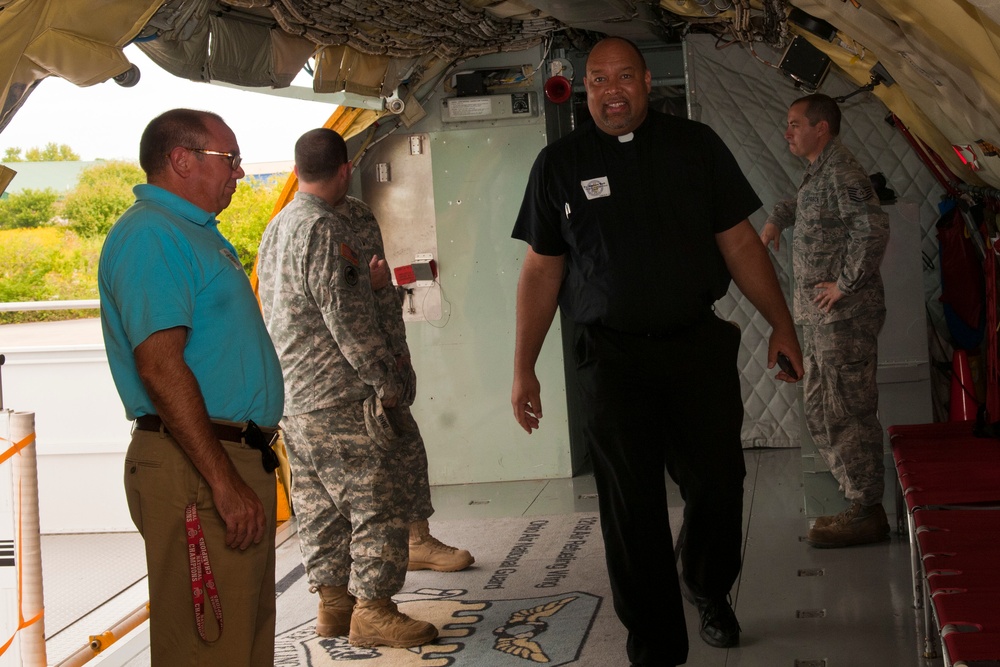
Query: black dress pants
649	404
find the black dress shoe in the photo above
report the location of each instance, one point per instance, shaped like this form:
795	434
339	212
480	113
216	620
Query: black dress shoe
719	627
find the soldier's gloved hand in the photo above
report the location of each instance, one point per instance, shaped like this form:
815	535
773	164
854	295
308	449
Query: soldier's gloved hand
391	389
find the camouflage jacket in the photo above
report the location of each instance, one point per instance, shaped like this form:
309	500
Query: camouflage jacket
840	236
336	337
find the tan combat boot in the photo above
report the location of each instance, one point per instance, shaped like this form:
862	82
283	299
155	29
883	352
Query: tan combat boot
380	623
429	553
335	607
826	520
858	524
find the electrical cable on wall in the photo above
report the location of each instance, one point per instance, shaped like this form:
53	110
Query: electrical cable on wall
445	312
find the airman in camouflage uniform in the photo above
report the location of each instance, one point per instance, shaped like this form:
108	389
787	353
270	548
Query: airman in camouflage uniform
838	242
359	470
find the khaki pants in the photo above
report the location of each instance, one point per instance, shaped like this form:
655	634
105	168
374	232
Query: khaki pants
159	483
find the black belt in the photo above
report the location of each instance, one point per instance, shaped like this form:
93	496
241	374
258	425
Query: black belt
259	437
228	432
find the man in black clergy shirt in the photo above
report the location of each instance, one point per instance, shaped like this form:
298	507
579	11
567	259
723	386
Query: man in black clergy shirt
636	223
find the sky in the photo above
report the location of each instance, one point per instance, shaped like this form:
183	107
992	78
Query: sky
105	121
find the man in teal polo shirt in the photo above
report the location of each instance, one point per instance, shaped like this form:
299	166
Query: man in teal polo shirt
196	370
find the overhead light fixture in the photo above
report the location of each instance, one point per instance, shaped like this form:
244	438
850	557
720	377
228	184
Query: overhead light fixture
558	89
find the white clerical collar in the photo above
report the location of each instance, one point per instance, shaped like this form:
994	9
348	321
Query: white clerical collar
625	138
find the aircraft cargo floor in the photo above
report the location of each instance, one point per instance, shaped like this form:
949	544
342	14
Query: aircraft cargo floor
798	606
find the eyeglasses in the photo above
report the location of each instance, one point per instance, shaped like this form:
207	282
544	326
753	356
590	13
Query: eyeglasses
234	158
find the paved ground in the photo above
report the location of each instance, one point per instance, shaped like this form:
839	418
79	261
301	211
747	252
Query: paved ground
36	334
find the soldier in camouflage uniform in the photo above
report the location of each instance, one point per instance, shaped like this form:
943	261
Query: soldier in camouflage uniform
837	245
359	470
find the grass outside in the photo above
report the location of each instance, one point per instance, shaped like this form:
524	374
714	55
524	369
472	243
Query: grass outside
47	264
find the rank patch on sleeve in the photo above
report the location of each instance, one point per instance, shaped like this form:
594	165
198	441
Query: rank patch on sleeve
348	254
860	193
350	275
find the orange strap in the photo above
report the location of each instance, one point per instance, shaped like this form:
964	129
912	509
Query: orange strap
16	447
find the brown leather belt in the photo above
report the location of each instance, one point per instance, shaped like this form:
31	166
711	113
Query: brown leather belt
227	432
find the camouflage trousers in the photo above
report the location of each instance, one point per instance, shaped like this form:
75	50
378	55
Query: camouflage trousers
354	500
841	402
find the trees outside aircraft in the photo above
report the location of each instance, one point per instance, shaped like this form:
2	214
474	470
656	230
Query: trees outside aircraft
49	248
51	153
